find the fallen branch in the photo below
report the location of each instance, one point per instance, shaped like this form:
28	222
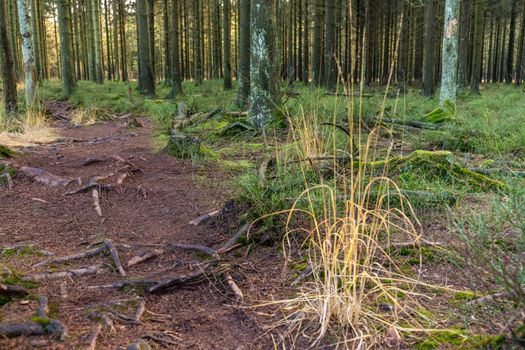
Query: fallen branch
92	339
61	260
234	287
179	280
141	309
96	201
121	178
9	290
129	283
150	254
236	114
91	186
203	218
199	247
160	337
139	345
412	123
91	270
45	177
236	237
304	274
114	254
488	298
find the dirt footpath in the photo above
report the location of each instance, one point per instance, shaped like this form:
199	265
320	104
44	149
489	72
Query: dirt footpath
146	204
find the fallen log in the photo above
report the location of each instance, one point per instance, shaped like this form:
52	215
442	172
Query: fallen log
205	217
61	260
114	254
199	247
150	254
508	172
45	177
10	290
91	270
212	113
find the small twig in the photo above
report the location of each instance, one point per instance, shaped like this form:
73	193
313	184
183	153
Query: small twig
150	254
96	201
304	274
234	287
114	254
205	217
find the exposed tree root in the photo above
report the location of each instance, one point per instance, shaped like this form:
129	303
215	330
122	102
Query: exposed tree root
44	177
199	247
92	184
91	270
114	255
61	260
236	237
139	345
90	161
43	306
163	338
150	254
9	180
92	339
205	217
9	290
183	279
17	329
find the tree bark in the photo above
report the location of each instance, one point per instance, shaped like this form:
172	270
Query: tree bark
227	45
68	79
317	42
27	54
521	48
243	76
449	56
429	49
176	79
477	46
146	79
263	92
6	65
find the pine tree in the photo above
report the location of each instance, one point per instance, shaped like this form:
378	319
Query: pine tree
429	50
6	65
227	45
243	77
68	79
176	78
146	79
263	92
27	54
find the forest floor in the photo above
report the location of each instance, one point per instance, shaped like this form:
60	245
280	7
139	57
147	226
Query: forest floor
147	199
151	208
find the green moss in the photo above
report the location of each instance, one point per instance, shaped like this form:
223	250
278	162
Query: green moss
17	280
236	165
466	295
43	321
459	339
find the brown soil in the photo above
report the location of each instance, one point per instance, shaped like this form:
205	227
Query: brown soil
203	315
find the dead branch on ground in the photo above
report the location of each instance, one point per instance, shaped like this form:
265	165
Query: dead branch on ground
45	177
92	339
205	217
96	201
61	260
114	254
9	290
234	287
199	247
150	254
91	270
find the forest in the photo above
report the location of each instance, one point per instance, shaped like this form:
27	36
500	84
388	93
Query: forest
262	174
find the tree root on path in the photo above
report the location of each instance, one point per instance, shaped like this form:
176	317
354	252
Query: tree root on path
91	343
205	217
228	246
199	247
9	290
114	254
234	287
91	270
45	177
60	260
150	254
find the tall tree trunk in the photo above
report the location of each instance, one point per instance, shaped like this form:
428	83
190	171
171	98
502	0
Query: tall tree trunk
430	49
510	50
146	79
115	24
402	66
263	92
108	42
243	76
477	46
6	65
151	29
176	78
449	54
168	33
197	42
520	68
36	42
123	46
97	41
227	45
317	42
330	46
68	79
27	54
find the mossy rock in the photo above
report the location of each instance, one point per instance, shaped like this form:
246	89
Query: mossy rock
437	163
183	146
